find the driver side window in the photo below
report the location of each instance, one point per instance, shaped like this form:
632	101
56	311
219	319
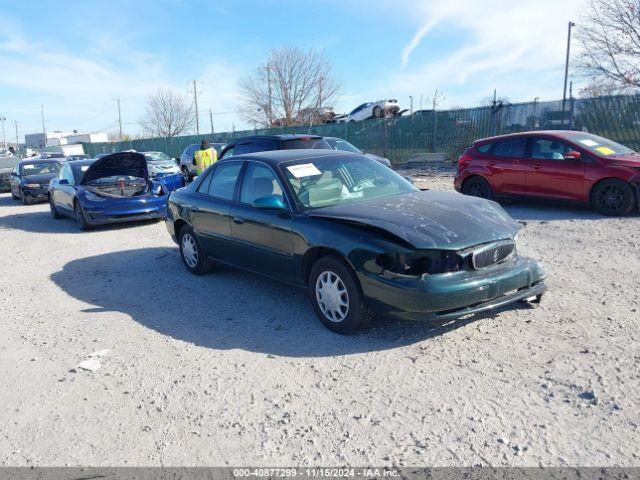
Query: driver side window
67	174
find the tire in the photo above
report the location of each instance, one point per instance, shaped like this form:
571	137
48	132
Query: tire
14	196
477	187
377	112
334	293
23	197
80	217
53	209
613	197
186	174
192	253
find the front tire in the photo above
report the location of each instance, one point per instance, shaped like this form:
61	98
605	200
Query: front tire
335	295
23	197
477	187
53	208
81	218
192	253
613	197
377	112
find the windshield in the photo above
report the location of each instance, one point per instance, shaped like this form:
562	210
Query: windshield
302	143
39	168
339	144
328	181
157	157
599	145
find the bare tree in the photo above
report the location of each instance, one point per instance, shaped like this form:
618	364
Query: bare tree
610	35
290	81
168	114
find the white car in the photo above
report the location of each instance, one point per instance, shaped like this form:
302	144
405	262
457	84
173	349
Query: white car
379	109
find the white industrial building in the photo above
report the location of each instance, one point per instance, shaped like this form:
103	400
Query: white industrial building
59	138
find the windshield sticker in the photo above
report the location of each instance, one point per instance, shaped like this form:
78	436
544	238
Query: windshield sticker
28	167
588	143
304	170
605	151
84	168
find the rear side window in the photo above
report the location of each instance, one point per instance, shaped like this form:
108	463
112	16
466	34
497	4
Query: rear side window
484	148
510	148
254	146
299	143
222	181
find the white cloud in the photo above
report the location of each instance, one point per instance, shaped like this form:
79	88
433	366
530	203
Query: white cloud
513	46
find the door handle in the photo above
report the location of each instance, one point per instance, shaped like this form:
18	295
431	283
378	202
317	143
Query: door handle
238	220
491	164
195	209
535	167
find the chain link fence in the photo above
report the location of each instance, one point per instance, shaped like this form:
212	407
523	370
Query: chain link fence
448	132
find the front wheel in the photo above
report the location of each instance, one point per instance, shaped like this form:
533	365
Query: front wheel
193	255
53	208
335	295
23	198
81	218
613	197
477	187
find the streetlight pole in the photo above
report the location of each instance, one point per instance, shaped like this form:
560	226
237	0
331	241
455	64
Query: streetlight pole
119	121
566	70
411	105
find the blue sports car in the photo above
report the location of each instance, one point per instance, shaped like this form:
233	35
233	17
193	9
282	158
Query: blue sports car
114	188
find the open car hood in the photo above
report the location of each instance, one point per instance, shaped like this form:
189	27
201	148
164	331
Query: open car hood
429	219
117	164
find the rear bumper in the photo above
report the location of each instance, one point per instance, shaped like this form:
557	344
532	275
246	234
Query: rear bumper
452	295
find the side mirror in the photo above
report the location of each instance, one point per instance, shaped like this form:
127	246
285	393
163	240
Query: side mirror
573	155
63	181
14	174
272	202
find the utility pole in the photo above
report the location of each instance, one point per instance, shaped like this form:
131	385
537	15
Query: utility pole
119	120
270	112
571	105
195	102
566	69
4	139
211	120
15	122
44	130
411	104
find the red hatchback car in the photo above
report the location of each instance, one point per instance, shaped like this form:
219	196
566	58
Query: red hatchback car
555	165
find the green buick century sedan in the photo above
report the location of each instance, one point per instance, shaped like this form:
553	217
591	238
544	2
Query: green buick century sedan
359	237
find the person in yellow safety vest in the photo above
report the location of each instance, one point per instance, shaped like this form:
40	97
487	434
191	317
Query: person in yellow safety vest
205	157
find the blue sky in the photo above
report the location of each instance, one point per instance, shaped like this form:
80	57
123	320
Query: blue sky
77	57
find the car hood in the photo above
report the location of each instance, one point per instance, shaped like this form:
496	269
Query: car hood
429	219
632	160
39	178
117	164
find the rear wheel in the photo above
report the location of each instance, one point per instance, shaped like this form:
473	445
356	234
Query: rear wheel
53	208
81	217
477	187
335	295
613	197
193	255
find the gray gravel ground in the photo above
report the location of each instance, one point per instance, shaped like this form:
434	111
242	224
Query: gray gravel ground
233	369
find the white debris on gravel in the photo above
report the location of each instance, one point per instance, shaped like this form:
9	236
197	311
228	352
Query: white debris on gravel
100	353
91	365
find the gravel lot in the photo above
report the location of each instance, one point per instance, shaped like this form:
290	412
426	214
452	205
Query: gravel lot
233	369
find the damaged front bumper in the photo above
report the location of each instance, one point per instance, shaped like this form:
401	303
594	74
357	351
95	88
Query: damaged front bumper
456	294
129	210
